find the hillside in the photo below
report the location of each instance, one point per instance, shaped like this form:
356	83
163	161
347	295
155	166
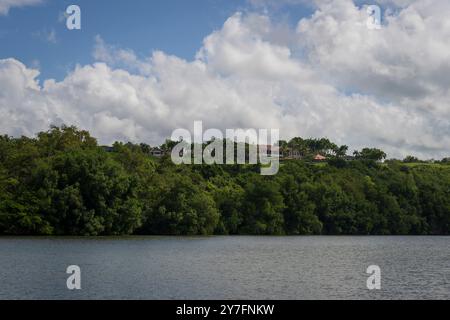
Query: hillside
63	183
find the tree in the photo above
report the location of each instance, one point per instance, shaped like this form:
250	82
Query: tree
411	159
262	207
62	183
178	206
299	217
228	196
64	138
341	151
145	148
370	154
87	193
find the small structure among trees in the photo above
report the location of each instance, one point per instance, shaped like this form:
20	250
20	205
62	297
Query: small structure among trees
319	158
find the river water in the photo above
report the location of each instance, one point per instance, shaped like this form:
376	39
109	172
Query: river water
322	267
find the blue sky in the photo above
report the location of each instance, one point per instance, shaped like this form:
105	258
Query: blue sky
37	36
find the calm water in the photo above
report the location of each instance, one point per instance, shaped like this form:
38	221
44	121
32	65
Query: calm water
226	267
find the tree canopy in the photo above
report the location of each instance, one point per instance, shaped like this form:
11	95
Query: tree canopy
63	183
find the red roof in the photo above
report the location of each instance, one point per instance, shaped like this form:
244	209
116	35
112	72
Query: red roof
320	157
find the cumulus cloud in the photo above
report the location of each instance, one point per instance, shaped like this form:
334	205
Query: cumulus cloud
6	5
330	76
408	59
119	57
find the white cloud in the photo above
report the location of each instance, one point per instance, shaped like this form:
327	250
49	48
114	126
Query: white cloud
331	77
408	59
6	5
118	57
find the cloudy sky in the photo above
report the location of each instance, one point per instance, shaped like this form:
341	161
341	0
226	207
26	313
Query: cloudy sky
137	70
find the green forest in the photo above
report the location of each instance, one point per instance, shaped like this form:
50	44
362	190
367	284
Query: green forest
61	182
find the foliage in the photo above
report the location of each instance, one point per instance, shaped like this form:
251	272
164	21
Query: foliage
63	183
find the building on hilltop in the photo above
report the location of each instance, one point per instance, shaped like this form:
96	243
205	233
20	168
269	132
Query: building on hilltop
319	158
157	152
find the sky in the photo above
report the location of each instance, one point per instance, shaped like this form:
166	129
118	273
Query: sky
35	32
138	69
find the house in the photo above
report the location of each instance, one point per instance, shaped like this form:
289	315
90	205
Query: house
320	157
157	152
294	154
289	153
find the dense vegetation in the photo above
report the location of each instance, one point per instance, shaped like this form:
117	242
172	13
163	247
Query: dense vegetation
63	183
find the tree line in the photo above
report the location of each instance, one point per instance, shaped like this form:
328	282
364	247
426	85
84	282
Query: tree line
63	183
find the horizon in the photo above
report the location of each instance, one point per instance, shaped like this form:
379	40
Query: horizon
236	141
